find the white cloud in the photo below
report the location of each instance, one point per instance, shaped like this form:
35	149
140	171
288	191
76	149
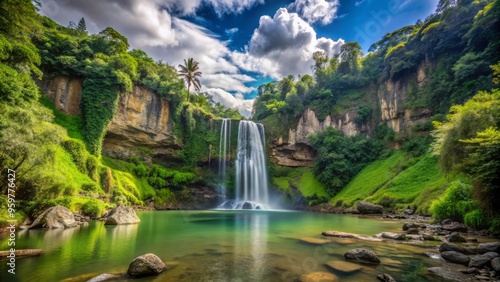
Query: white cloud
283	45
234	102
231	31
221	7
316	11
358	3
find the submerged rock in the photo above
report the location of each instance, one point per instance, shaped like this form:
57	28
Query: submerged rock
55	217
455	257
340	234
122	215
343	266
449	273
453	247
385	277
145	265
319	277
369	208
314	241
362	255
103	277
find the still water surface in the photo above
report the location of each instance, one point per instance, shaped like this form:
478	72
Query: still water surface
215	246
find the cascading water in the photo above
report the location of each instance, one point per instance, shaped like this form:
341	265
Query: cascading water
251	169
224	147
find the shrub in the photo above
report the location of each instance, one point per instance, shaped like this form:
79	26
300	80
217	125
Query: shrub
91	208
455	203
141	170
76	149
477	219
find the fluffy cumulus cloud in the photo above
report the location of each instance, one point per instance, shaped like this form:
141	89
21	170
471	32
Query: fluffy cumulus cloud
316	11
151	27
282	45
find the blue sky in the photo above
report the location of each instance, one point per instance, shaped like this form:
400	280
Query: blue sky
241	44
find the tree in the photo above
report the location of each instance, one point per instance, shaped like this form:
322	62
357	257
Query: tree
81	25
189	71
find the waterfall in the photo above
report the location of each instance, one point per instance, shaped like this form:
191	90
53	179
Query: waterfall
224	147
251	169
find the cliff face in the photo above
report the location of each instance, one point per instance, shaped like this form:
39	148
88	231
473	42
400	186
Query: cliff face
294	149
64	92
393	95
142	119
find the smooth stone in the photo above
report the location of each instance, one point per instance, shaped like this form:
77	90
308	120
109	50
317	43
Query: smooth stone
55	217
495	264
122	215
369	208
103	277
488	247
145	265
393	236
456	237
344	266
428	237
449	273
314	241
385	277
480	261
453	247
319	277
455	257
362	255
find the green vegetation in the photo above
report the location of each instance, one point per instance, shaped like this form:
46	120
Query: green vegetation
339	158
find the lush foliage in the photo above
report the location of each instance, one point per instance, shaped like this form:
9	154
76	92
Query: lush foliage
339	158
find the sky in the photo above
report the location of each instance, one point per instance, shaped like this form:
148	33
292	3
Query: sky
241	44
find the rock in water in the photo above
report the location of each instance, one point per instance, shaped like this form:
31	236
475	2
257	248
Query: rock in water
479	261
122	215
385	277
55	217
495	264
455	257
344	266
393	236
455	227
369	208
456	237
488	247
319	277
452	247
362	255
145	265
103	277
247	206
314	241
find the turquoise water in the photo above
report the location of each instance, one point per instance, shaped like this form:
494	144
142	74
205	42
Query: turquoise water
215	246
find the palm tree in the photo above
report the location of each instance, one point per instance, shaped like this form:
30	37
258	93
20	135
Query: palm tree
189	71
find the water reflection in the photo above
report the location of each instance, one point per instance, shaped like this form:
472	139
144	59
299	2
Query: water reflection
251	240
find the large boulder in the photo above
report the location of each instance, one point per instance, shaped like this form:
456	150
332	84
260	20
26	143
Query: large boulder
453	247
495	264
362	255
55	217
455	257
318	277
479	261
146	265
122	215
488	247
369	208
